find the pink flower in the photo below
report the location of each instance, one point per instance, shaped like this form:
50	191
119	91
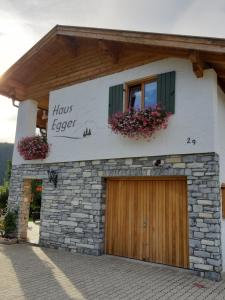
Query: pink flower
139	123
34	147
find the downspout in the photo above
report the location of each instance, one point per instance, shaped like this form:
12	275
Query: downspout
12	96
13	103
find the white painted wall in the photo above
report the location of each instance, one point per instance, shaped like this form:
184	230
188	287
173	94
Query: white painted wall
220	149
26	124
194	117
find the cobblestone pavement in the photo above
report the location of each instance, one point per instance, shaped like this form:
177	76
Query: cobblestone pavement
37	273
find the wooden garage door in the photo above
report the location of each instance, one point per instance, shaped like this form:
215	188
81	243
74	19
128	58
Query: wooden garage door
146	219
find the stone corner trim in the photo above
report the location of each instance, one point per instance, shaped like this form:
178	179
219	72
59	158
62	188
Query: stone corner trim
72	216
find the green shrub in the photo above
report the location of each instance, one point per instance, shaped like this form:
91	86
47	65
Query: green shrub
1	226
4	189
9	224
4	193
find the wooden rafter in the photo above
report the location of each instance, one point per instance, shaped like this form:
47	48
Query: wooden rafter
197	63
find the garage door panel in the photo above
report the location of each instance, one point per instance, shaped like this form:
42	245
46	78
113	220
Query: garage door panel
149	231
124	219
111	208
147	219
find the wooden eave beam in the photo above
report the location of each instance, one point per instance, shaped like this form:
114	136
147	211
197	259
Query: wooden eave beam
197	63
220	71
214	58
144	38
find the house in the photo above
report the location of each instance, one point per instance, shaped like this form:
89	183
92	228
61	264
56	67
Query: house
157	199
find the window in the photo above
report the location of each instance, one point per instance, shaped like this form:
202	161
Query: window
142	94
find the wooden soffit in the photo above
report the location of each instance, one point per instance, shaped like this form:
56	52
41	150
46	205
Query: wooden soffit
68	55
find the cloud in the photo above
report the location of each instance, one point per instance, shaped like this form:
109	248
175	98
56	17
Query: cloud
203	18
145	15
186	16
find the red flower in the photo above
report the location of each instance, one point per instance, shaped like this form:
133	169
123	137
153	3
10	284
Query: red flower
33	147
139	123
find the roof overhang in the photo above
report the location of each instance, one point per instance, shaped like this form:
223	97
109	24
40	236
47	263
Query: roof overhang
36	73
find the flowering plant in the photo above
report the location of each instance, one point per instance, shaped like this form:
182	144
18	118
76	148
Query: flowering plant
139	123
33	147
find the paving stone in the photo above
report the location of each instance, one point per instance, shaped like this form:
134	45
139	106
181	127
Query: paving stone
34	273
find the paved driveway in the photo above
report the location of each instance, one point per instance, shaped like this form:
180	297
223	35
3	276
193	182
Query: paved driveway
37	273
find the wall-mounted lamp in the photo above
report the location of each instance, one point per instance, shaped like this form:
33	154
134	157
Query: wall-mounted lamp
53	177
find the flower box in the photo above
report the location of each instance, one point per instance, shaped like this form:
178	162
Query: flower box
33	147
139	123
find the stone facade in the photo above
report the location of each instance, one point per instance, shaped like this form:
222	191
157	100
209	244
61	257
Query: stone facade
72	215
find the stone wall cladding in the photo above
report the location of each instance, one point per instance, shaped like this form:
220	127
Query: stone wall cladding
72	215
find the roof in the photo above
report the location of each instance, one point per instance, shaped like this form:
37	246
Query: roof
69	54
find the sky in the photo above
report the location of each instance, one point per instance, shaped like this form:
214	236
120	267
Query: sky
24	22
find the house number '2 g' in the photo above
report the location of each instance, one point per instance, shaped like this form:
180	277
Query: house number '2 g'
191	141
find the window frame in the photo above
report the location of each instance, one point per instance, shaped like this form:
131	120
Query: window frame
141	82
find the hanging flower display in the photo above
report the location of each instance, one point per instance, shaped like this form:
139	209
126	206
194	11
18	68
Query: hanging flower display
139	123
33	147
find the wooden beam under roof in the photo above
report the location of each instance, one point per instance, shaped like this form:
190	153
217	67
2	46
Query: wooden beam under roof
207	44
197	63
220	70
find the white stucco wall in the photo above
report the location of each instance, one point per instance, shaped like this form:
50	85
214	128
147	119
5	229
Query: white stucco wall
26	124
220	149
194	117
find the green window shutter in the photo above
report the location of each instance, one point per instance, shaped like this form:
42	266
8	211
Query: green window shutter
115	99
166	91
